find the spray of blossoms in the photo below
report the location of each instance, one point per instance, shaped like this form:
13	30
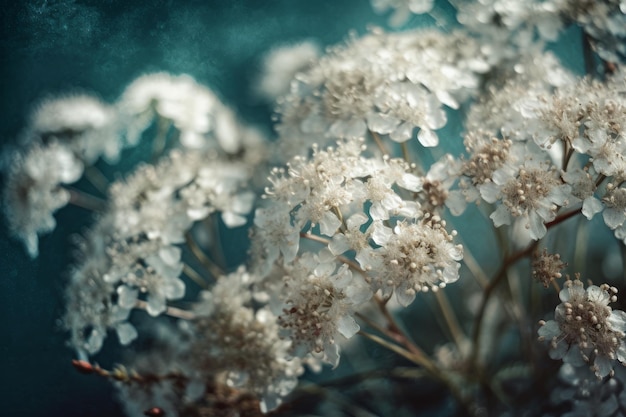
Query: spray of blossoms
429	190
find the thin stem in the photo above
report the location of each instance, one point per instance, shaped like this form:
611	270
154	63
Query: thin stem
394	331
123	374
416	355
379	142
534	297
472	264
435	312
518	304
568	152
97	178
493	284
580	245
195	276
170	311
422	360
217	248
405	152
197	251
400	372
81	199
416	359
371	323
315	238
339	215
450	318
158	145
587	54
562	217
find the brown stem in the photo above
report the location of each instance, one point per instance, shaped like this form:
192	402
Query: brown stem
405	152
121	373
562	217
488	291
415	355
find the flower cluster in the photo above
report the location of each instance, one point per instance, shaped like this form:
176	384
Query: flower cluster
346	231
353	205
385	83
509	25
402	9
68	134
586	329
231	342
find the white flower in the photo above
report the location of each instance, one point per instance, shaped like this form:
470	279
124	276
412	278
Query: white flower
352	237
192	108
320	300
437	186
614	200
34	190
274	234
94	305
281	64
583	188
232	341
402	9
411	257
149	266
81	122
532	194
586	329
389	84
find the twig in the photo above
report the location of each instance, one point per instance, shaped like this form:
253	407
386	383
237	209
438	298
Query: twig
122	374
562	217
